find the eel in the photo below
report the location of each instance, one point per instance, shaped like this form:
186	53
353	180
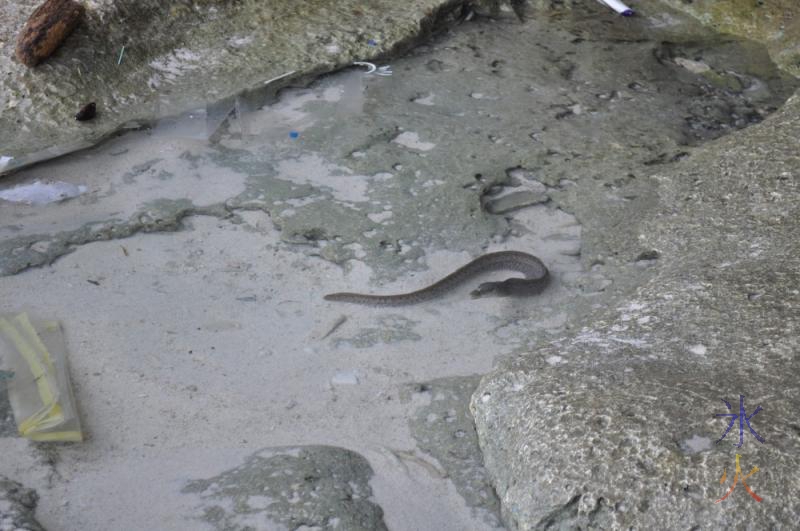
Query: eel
535	281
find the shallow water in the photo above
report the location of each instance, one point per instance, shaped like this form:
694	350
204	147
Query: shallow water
208	338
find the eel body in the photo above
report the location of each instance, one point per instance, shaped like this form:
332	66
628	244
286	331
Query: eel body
535	280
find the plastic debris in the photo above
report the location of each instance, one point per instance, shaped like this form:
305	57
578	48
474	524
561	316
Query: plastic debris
619	7
33	353
267	82
349	377
39	193
385	70
294	134
121	53
370	67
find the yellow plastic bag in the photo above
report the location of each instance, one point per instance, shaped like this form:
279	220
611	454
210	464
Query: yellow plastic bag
34	354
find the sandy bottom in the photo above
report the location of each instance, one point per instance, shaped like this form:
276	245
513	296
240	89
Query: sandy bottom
200	347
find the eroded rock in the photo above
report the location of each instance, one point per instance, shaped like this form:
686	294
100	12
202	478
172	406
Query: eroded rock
776	24
303	487
614	425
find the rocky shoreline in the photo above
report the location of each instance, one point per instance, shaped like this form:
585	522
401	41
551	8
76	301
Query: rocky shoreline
650	163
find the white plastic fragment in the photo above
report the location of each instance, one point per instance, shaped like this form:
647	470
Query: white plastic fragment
385	70
267	82
370	67
698	350
347	377
619	7
411	140
697	444
39	193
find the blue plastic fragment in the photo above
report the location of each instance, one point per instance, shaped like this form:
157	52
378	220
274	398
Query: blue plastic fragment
293	134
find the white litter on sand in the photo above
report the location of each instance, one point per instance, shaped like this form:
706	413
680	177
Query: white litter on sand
411	140
696	444
39	193
347	377
698	350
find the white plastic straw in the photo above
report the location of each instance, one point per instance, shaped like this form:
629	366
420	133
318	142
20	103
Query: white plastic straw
619	7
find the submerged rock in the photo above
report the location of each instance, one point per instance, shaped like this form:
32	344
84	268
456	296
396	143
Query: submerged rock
297	487
17	506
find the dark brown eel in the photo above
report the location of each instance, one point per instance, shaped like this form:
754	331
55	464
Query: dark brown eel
536	279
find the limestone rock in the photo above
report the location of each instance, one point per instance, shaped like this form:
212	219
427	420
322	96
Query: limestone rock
615	426
776	24
48	27
297	487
